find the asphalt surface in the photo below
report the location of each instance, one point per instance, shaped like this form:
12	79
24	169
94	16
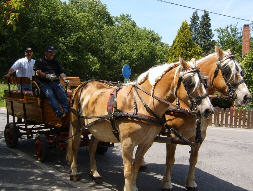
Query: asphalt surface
225	164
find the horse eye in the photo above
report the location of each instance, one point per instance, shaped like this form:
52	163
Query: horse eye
189	83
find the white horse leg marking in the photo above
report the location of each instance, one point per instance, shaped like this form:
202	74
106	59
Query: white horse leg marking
170	159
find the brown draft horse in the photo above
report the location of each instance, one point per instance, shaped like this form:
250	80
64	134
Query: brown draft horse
224	75
158	82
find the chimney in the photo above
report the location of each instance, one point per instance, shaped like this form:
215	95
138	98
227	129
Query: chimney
245	40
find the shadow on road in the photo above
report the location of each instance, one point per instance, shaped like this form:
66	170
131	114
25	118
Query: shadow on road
111	169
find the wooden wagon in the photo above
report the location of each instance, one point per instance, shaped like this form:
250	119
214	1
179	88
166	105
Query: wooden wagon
30	116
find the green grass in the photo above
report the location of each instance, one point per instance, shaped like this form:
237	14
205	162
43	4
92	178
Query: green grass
2	88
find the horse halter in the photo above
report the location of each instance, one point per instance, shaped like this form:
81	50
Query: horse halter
231	86
195	101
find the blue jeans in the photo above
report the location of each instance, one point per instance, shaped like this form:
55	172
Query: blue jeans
25	87
55	92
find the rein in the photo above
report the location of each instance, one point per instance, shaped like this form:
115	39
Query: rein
114	113
195	101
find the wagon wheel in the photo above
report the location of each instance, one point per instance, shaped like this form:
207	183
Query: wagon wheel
102	148
11	135
41	147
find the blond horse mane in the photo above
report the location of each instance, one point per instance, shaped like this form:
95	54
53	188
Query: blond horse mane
155	74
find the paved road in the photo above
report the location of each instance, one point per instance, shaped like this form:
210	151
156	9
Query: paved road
225	164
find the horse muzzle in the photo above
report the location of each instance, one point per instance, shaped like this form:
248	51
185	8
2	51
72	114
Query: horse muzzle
247	99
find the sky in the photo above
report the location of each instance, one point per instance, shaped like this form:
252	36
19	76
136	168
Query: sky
165	19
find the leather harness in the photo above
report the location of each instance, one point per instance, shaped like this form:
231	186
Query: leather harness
231	86
114	113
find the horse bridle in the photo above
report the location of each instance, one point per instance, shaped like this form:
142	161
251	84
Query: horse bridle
195	101
231	86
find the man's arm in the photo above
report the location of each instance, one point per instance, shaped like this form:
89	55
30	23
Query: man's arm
13	68
11	71
40	74
37	69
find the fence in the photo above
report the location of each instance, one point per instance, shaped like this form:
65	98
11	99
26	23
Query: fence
234	118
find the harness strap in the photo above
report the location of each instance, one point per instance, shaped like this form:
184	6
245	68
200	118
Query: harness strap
166	102
111	108
147	107
178	135
135	104
198	137
231	87
216	70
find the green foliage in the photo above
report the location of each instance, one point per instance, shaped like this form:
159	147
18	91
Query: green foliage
206	34
10	10
247	64
221	102
230	37
183	45
90	42
194	27
2	88
125	43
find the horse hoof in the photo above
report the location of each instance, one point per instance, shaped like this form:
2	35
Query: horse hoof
192	189
97	180
74	177
143	168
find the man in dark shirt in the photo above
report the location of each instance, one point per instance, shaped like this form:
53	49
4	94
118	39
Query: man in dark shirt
48	71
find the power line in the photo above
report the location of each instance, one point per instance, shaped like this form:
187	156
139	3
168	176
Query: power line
185	6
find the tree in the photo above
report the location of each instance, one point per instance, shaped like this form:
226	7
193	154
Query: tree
126	43
183	45
206	34
90	42
10	10
230	37
194	27
247	63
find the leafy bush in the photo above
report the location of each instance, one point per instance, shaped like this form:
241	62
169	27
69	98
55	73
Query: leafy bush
247	64
221	102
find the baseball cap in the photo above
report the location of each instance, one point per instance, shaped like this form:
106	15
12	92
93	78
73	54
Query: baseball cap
50	49
28	50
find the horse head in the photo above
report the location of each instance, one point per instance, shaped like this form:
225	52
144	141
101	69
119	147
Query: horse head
191	90
227	77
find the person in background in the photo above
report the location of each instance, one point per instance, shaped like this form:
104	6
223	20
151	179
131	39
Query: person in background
23	68
48	71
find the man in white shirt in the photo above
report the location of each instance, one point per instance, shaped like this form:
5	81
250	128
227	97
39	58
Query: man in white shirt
23	68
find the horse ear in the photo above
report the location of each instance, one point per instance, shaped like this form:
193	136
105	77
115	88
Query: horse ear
229	51
193	60
219	52
184	64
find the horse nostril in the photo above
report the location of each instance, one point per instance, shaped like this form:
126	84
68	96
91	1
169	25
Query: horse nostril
247	98
207	112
